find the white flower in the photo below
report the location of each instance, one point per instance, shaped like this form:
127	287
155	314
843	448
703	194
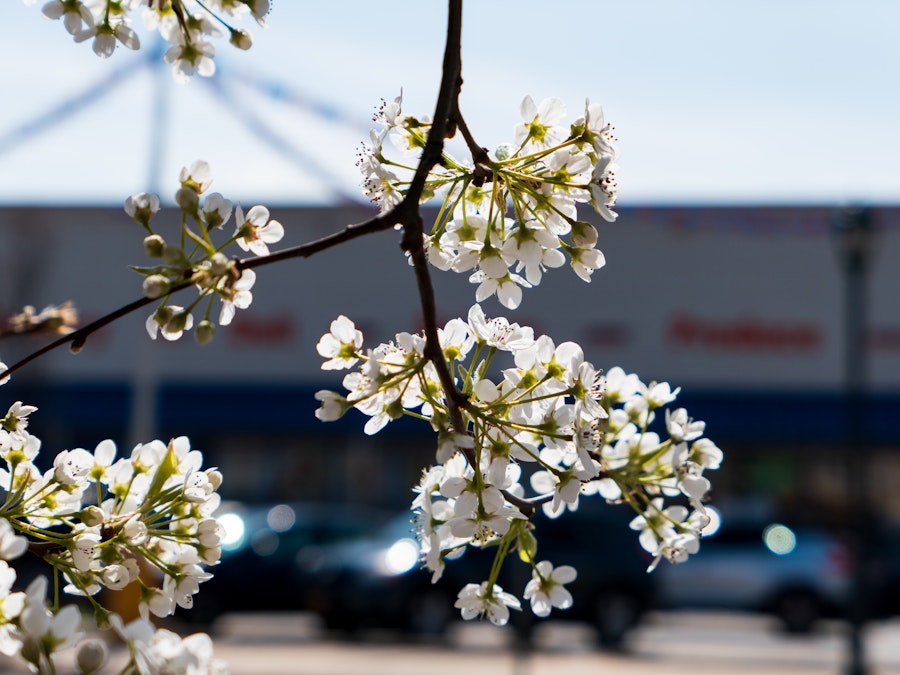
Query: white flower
603	188
706	453
189	58
142	207
72	467
198	176
105	36
539	122
104	454
162	651
11	545
135	532
84	550
681	427
507	288
76	17
256	231
341	346
236	296
173	319
54	632
498	332
115	577
619	386
546	590
16	419
474	601
597	131
11	606
333	405
216	210
585	261
659	394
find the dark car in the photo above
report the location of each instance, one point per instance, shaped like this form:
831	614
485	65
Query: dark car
377	580
798	573
261	546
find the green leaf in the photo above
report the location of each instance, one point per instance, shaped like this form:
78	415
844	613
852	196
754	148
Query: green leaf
166	469
527	546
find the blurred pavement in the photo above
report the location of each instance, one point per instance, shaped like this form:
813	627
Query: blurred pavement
670	643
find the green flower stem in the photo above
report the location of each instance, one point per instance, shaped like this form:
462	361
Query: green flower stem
500	557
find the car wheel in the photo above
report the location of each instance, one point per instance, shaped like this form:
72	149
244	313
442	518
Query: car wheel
614	615
798	611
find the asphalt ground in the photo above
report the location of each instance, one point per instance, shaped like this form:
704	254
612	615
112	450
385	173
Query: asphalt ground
672	643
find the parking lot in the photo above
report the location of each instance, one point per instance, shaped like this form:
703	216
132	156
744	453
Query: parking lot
669	643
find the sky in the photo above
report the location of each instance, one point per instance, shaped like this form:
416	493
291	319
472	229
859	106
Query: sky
763	102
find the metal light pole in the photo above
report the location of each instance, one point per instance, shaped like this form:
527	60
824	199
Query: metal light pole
854	230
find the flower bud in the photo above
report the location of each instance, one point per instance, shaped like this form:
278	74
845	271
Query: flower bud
92	516
91	656
503	151
135	532
154	245
218	264
206	331
259	8
584	235
187	199
177	323
142	207
241	39
174	255
155	286
133	568
215	478
115	577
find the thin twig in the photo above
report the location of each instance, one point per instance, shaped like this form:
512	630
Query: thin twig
479	153
78	338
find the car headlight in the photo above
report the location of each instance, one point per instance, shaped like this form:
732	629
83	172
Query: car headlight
779	539
399	558
232	527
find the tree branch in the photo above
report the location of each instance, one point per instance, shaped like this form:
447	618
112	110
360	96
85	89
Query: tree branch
78	338
479	153
442	126
445	121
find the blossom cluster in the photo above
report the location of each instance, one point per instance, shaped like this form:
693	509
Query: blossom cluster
104	522
549	421
53	320
193	258
509	215
186	26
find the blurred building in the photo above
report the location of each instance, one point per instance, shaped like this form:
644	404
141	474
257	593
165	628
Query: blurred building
741	307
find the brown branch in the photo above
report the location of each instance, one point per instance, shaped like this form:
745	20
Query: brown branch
479	153
379	223
44	548
442	126
77	338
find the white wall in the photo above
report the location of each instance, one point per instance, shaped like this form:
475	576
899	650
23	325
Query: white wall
721	298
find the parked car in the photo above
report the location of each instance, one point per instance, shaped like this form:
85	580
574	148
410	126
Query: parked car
799	574
377	580
261	545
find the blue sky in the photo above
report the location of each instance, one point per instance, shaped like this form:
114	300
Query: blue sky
713	102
